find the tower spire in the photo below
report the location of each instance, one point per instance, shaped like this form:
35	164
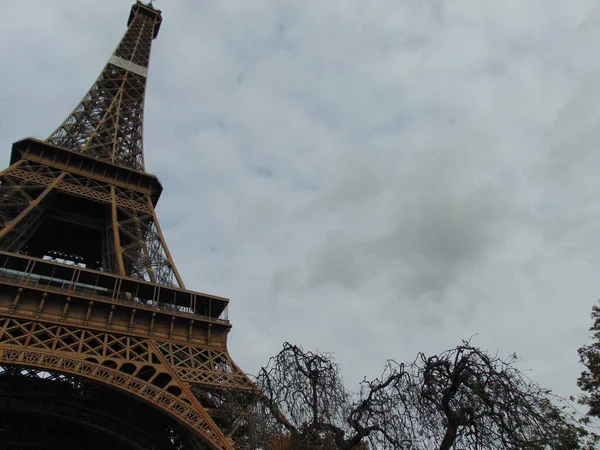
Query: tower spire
108	122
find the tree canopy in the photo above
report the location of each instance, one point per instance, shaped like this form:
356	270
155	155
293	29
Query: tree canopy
463	398
589	356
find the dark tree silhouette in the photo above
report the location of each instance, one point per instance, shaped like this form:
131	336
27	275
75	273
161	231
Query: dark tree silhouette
305	394
466	398
589	356
463	398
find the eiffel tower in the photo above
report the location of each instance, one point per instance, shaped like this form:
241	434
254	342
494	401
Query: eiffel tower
101	344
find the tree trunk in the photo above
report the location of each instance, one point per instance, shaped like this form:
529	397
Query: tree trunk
449	437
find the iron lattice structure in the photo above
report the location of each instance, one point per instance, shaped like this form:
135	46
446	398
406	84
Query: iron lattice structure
100	342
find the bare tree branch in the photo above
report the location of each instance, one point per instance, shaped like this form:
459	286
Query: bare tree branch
462	398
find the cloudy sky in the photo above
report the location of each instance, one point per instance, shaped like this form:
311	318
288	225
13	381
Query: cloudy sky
370	178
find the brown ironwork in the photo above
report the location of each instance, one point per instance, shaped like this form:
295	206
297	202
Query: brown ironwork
90	298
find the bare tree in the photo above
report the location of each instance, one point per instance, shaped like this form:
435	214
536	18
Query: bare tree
305	394
463	398
466	398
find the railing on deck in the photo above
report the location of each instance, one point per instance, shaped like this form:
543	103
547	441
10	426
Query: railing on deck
71	280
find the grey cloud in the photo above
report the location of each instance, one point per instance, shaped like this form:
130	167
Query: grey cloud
435	234
432	164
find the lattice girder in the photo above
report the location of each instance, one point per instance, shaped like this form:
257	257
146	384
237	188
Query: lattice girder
27	189
108	122
128	363
37	408
107	337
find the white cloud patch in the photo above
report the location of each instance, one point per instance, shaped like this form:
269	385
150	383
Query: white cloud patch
368	178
